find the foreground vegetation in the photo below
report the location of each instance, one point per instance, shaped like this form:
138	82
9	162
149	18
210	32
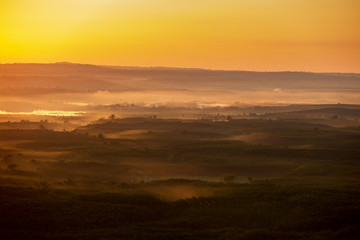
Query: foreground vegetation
170	179
262	210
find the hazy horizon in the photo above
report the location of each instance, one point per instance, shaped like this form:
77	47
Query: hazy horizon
76	87
178	67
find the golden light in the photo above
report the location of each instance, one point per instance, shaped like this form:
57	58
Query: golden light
267	35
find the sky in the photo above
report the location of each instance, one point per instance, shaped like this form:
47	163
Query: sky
259	35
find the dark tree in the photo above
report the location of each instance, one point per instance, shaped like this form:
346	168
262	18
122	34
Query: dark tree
229	179
11	166
112	117
7	158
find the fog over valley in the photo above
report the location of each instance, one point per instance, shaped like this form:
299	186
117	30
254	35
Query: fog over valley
79	87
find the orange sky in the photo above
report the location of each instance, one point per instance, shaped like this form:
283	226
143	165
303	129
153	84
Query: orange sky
301	35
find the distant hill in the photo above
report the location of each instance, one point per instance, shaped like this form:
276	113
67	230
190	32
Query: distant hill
71	87
332	112
93	77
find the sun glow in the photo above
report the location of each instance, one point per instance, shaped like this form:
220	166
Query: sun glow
269	35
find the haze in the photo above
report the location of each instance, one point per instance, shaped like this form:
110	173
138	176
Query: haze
77	87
